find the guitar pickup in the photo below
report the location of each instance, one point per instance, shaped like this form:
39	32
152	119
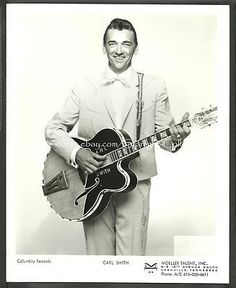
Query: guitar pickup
56	184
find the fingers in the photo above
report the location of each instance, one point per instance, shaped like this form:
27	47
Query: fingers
180	131
185	129
87	166
98	157
89	161
177	131
94	162
175	134
91	165
185	117
86	169
90	168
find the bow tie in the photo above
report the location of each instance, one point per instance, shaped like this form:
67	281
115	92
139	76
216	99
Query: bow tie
109	81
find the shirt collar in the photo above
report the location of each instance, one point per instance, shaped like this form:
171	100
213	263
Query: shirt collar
126	75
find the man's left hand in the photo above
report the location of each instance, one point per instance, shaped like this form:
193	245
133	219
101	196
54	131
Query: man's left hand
178	132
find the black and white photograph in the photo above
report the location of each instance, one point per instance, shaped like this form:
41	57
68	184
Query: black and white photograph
117	143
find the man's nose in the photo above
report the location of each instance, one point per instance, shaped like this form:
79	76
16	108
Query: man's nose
119	49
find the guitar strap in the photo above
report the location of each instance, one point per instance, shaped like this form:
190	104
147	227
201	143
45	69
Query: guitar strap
139	105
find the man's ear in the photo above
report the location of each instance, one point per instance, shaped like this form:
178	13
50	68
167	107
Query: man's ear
136	51
104	49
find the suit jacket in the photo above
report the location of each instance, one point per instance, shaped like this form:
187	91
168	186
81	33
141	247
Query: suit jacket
89	108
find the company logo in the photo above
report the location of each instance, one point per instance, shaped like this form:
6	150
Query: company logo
150	267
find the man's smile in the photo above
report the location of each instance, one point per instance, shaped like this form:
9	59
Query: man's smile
119	58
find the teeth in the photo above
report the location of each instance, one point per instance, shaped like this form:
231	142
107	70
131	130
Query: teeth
119	58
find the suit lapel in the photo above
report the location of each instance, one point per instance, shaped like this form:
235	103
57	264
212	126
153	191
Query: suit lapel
132	93
106	97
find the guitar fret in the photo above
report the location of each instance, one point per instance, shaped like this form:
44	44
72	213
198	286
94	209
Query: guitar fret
140	143
149	140
168	133
122	151
125	151
154	138
111	156
130	148
163	134
120	154
145	142
115	155
135	147
187	123
158	136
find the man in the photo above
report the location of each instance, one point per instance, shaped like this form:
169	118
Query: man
109	100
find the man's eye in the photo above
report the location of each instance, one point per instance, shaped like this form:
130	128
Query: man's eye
127	44
111	44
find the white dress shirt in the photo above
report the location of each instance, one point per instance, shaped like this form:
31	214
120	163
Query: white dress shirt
117	84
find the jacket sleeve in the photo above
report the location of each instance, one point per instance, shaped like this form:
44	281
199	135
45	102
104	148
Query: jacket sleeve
56	131
163	115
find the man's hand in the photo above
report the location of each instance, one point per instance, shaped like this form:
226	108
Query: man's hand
178	132
88	160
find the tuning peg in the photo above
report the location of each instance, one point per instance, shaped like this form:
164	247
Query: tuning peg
203	110
211	107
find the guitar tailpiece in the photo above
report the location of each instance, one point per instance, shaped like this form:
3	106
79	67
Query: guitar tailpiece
56	184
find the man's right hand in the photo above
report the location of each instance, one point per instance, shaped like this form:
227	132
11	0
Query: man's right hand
89	161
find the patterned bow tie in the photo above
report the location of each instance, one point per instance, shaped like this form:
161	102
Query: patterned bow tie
109	81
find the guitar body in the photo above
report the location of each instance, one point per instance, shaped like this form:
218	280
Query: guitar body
78	196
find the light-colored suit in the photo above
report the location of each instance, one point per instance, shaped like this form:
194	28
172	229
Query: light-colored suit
90	103
122	228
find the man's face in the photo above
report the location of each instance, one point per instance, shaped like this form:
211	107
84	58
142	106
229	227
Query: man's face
120	48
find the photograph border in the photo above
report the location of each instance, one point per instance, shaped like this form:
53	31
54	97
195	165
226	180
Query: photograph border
232	155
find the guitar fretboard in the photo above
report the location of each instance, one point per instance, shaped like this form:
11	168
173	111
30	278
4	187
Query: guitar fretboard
132	148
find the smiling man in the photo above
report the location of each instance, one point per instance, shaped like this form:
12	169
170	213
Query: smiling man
109	99
120	46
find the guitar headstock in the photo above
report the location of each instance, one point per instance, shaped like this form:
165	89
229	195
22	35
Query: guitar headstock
205	118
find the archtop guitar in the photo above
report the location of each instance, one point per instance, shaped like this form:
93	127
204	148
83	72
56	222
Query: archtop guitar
80	196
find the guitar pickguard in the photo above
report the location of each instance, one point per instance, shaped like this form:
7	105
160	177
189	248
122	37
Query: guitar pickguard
95	193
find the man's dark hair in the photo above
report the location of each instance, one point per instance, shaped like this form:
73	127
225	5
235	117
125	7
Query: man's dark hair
120	24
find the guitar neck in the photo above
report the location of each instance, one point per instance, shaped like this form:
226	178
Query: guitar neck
202	119
134	147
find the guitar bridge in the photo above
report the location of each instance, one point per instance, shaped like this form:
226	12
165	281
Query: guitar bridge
56	184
